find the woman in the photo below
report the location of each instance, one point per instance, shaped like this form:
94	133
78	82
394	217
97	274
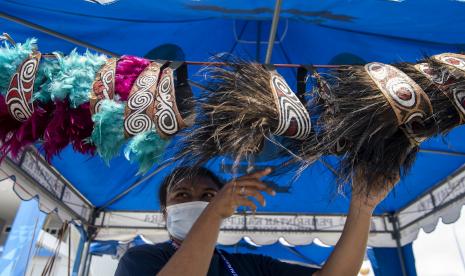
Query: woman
194	208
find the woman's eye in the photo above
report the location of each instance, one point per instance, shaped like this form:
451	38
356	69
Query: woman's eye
182	195
209	195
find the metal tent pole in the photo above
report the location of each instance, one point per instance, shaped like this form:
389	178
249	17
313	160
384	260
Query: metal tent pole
462	257
90	231
132	187
274	28
55	34
396	235
87	267
85	254
443	152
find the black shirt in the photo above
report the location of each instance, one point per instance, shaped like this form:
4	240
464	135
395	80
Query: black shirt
149	259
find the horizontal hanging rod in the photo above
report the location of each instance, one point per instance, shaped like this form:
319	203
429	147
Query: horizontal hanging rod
216	63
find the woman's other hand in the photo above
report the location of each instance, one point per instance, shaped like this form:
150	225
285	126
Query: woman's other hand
369	201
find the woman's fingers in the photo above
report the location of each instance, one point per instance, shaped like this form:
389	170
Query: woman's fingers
255	184
257	175
242	201
255	194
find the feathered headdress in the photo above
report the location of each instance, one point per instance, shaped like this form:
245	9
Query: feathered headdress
373	117
155	110
244	104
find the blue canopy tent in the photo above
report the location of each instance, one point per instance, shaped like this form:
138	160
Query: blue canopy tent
117	204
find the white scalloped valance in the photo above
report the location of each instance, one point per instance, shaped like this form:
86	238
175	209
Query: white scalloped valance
35	178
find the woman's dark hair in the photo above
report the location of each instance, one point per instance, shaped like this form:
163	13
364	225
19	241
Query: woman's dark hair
184	173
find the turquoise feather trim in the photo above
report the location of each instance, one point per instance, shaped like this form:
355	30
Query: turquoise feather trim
47	69
108	133
146	149
10	58
75	77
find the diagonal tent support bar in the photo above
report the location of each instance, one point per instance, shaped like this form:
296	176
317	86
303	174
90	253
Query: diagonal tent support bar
274	28
133	186
444	152
55	34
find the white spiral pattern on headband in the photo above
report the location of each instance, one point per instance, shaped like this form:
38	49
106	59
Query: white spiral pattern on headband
294	120
107	78
138	122
19	95
103	86
165	114
459	99
457	61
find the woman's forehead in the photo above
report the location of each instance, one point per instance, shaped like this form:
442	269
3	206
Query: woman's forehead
196	182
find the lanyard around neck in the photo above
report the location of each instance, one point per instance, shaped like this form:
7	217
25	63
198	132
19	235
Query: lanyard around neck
226	263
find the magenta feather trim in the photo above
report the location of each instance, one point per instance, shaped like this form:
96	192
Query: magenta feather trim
128	69
56	136
80	129
68	126
29	132
7	124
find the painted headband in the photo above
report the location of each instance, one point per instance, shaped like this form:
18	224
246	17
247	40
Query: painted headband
442	82
168	119
456	61
138	115
152	100
19	94
409	102
294	120
103	86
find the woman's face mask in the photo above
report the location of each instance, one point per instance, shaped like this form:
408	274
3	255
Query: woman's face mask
180	217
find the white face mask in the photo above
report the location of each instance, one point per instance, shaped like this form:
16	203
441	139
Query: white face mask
181	217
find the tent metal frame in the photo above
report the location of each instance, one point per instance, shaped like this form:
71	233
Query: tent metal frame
274	28
55	34
396	235
393	218
50	195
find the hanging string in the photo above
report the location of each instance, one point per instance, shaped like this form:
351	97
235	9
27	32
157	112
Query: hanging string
48	269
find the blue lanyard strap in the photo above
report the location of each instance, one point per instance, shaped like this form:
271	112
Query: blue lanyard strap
226	263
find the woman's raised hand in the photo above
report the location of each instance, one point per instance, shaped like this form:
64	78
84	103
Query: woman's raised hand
239	192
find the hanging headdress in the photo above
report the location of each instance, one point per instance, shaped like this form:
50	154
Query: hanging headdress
156	110
11	58
447	72
374	117
244	104
30	118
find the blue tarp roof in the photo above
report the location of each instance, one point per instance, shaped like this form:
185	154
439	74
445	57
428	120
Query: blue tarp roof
309	32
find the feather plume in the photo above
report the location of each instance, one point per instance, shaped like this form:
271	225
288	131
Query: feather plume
74	79
108	133
11	57
29	132
128	69
146	149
